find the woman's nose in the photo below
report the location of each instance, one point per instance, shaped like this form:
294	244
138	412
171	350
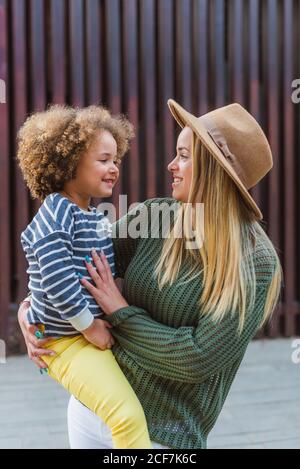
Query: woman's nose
173	165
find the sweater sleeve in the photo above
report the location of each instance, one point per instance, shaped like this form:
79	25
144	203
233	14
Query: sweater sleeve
186	354
53	254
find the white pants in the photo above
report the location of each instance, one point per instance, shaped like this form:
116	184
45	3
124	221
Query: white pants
87	430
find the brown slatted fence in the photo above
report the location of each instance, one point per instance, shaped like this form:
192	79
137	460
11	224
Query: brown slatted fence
132	55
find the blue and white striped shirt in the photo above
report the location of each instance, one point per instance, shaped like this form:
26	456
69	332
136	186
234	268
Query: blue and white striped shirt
56	243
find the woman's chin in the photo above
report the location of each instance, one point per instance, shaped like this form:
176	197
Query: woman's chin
176	195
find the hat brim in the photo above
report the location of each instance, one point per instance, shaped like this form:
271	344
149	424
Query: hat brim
186	119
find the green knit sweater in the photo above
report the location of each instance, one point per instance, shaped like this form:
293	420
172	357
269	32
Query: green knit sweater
180	364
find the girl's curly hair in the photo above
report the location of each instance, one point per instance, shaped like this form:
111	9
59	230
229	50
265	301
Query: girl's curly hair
50	143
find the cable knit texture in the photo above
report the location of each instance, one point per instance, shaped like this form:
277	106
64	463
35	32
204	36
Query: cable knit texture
180	363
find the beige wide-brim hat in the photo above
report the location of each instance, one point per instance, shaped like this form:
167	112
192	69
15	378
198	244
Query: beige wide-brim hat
237	142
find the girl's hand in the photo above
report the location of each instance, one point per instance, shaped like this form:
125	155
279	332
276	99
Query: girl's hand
34	345
106	292
98	334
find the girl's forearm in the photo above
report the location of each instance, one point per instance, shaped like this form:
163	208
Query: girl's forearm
24	305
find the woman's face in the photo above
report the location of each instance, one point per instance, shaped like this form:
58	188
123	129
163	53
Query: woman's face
97	172
181	166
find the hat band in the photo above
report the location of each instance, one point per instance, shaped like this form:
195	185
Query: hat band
219	139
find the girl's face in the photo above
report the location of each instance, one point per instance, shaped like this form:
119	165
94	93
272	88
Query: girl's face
181	166
97	171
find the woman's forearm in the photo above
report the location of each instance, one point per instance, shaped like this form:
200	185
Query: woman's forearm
184	353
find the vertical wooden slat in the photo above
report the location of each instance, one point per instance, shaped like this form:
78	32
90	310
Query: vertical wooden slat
20	197
272	94
94	56
237	48
113	54
166	91
217	51
76	52
183	53
37	55
57	47
254	79
200	40
5	220
36	78
253	54
289	170
148	95
131	165
93	52
113	68
296	125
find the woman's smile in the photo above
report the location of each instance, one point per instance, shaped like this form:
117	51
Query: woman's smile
182	163
176	181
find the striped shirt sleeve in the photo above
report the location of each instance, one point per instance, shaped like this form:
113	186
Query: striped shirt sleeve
58	278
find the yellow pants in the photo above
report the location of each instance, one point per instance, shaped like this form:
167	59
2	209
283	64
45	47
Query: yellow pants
94	377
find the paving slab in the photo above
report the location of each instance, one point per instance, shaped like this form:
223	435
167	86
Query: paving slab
262	409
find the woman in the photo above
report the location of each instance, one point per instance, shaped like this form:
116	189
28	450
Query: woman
192	307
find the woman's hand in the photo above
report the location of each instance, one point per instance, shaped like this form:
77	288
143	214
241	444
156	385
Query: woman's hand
106	292
34	345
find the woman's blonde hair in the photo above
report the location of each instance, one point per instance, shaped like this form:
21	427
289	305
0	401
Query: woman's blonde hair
227	244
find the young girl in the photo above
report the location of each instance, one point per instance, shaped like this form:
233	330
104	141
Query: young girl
68	156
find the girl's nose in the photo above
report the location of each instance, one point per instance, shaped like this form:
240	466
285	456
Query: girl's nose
113	168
